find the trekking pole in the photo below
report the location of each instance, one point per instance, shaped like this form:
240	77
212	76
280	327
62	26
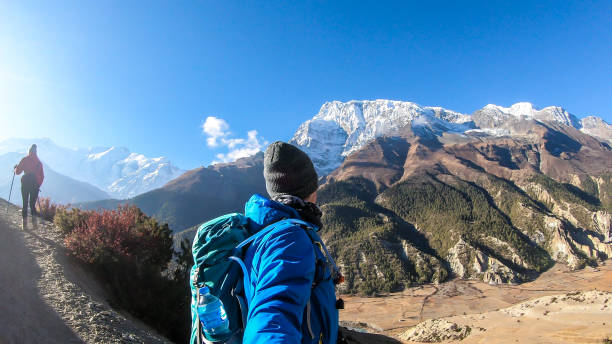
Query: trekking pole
10	192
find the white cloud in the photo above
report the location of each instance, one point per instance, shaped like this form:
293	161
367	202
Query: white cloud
217	132
215	128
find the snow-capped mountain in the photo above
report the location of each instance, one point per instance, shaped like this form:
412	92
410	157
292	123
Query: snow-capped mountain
115	170
343	127
597	127
493	116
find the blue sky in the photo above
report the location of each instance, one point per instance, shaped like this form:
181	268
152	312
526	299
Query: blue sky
146	75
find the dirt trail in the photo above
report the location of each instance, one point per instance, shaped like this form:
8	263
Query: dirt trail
46	297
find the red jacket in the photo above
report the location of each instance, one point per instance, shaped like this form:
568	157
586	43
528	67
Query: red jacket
31	165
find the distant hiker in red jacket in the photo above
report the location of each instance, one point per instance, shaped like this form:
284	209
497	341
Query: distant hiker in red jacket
30	184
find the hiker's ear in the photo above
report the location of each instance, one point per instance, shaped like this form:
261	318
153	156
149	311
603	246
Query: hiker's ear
312	198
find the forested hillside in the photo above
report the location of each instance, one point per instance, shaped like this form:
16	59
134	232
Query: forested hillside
407	210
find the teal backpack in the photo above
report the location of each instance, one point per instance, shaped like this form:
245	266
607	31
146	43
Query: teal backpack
213	245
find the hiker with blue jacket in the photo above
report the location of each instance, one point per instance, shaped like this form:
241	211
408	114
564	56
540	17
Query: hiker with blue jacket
268	266
291	298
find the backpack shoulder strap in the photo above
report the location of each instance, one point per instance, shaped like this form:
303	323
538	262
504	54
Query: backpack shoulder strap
236	256
269	228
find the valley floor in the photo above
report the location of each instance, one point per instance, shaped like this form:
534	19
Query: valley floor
560	306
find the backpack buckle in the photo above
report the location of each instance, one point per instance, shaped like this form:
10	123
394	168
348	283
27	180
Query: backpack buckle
340	304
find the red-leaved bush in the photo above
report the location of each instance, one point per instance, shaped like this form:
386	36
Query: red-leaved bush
128	252
122	234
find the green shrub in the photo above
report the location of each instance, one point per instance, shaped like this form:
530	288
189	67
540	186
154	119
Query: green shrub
47	209
67	219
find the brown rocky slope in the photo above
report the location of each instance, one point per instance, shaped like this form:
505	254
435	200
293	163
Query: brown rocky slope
420	206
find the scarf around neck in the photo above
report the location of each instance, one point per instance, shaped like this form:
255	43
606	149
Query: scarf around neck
308	211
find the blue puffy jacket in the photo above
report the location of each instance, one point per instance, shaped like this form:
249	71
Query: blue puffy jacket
284	304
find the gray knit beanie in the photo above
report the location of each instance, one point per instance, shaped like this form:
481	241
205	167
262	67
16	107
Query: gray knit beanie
288	171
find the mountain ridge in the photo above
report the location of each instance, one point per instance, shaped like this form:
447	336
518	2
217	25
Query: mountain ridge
340	128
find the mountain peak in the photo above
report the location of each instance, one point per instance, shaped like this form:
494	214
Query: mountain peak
523	108
343	127
517	109
111	153
492	116
597	127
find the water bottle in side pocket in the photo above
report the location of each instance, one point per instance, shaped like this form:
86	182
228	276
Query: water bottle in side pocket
211	313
